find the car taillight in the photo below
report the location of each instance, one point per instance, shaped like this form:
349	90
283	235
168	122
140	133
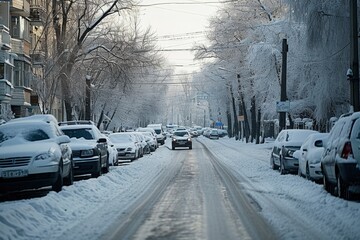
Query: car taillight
347	150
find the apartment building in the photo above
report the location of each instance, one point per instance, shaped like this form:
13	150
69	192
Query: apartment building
22	57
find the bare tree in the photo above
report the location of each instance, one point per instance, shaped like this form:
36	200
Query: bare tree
73	21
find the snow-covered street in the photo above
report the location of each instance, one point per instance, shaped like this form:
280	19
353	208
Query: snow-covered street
92	208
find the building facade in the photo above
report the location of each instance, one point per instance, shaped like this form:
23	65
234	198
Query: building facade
23	48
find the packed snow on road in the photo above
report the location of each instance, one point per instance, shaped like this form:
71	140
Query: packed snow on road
88	209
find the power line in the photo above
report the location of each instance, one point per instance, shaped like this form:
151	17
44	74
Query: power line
184	3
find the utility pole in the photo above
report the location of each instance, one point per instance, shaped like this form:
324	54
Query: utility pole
283	98
354	57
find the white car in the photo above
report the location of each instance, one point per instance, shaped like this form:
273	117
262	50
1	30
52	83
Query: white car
151	140
34	154
181	138
112	153
142	140
286	143
125	145
160	135
309	156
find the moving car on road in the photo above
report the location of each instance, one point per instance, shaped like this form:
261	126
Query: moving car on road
181	138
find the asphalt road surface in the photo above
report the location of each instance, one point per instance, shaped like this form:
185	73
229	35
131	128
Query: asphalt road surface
196	198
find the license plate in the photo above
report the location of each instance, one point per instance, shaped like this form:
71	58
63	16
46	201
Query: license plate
14	173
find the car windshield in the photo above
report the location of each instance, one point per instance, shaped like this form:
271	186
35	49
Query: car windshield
181	133
158	131
85	133
297	136
32	135
120	138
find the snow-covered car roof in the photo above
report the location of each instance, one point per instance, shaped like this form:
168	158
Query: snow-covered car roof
122	137
30	130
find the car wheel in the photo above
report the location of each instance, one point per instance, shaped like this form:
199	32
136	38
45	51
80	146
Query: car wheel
308	177
98	173
173	147
272	163
57	186
326	183
106	169
342	189
299	171
190	147
69	180
282	167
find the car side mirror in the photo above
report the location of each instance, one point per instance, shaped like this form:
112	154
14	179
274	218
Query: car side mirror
63	139
296	154
102	140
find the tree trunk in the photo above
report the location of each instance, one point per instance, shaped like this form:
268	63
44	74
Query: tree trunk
228	115
246	121
258	127
253	119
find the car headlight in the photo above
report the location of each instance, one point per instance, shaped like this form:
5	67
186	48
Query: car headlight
189	139
48	155
174	139
290	152
87	153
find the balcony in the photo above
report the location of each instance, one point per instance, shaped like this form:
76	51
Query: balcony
37	15
4	38
6	90
20	47
20	7
21	96
37	58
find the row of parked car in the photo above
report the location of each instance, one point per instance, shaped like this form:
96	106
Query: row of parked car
331	158
38	151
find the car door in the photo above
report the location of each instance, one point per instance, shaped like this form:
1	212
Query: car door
331	151
303	154
277	147
355	140
101	145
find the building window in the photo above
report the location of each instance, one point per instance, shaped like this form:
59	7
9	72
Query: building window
6	71
2	70
27	74
18	73
26	34
15	26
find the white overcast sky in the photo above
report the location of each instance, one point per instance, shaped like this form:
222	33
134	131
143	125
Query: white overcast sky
179	26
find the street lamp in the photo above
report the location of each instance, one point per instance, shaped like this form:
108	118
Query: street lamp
87	98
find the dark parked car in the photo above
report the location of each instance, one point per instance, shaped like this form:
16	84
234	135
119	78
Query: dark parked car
341	157
286	143
89	146
181	138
